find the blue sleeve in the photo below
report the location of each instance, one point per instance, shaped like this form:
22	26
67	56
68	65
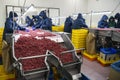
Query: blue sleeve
9	27
103	24
84	24
37	25
100	24
19	27
30	23
47	24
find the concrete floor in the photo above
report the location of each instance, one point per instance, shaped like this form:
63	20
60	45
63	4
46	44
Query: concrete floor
94	71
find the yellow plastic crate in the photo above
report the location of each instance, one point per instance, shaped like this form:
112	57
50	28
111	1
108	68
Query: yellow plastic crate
0	51
79	45
2	71
79	38
79	34
78	41
58	28
90	57
84	37
1	28
4	76
79	31
106	63
1	35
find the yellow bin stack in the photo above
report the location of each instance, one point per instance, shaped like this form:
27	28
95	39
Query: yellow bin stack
79	38
58	28
1	36
5	76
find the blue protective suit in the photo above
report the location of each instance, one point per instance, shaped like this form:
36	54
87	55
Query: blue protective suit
10	24
112	22
117	17
68	24
46	22
79	22
37	22
29	21
103	22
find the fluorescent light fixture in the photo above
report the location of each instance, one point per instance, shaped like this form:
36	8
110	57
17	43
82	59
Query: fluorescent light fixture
61	17
85	14
100	13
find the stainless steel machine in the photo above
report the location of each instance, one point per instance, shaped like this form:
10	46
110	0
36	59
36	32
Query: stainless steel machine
71	71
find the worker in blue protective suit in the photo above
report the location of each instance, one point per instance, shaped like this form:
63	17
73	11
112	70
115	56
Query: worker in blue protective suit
46	22
103	22
68	24
37	22
35	18
11	25
79	22
117	17
29	21
112	23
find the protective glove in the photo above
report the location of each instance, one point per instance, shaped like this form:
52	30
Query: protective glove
26	30
33	28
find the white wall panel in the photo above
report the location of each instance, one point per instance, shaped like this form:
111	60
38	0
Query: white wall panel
102	5
67	7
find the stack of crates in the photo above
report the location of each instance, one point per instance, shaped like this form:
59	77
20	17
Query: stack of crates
5	76
79	38
1	36
58	28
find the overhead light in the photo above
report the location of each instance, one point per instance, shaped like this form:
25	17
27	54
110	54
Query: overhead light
59	17
101	13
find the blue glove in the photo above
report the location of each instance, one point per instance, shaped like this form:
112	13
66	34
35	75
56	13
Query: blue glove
26	30
33	28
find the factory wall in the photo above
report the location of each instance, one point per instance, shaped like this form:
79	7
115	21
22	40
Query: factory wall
67	7
101	5
2	13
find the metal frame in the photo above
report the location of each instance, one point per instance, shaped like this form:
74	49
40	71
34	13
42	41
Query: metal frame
75	65
35	7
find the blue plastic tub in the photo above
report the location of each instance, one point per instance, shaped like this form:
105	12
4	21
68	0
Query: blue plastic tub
84	77
108	50
116	66
0	60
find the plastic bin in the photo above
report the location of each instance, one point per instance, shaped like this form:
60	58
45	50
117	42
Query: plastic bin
0	60
108	54
4	76
79	38
116	66
84	77
108	50
58	28
115	71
